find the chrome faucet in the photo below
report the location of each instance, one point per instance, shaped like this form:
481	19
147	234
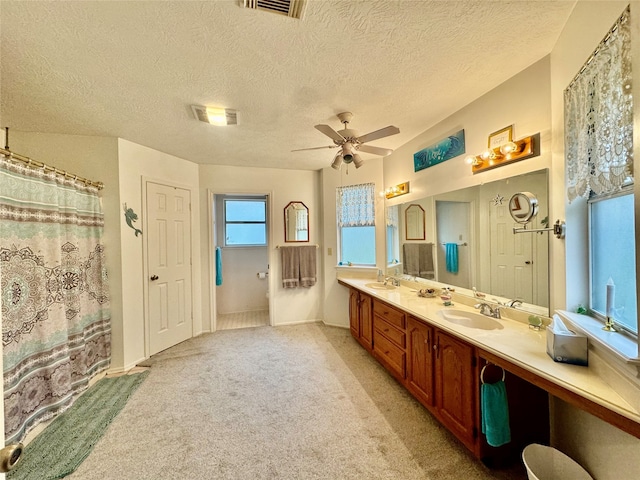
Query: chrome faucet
394	281
486	309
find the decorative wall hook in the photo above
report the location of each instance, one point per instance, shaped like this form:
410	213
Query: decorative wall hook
130	217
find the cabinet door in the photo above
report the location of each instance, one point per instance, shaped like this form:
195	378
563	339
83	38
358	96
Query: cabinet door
366	320
420	355
455	386
354	312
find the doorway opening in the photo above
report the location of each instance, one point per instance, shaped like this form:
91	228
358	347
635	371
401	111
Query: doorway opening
241	260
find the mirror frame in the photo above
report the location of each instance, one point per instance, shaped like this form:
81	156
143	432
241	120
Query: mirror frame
286	211
406	222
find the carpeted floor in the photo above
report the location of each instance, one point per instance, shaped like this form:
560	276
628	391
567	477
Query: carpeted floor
295	402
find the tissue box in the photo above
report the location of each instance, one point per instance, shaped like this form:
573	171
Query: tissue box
567	347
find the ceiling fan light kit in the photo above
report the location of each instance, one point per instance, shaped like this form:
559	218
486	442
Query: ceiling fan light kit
351	143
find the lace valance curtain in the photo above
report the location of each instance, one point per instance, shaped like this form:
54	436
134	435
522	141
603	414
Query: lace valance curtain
356	205
392	219
599	118
56	323
301	220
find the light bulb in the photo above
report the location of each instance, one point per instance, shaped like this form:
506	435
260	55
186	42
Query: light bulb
508	148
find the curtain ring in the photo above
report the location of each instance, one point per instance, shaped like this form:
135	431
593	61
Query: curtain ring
482	373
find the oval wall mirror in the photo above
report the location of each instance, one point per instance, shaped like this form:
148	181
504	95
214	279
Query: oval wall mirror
523	206
296	222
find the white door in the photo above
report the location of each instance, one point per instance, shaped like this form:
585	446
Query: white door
511	257
169	265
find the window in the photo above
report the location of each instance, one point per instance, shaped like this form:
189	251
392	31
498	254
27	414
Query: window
355	211
613	256
245	221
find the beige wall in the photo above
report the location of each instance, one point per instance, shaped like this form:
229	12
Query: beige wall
138	164
336	297
287	306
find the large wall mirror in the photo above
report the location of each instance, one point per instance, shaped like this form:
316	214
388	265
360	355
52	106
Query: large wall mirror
469	241
296	222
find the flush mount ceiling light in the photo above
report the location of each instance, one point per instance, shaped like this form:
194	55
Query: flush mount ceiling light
215	115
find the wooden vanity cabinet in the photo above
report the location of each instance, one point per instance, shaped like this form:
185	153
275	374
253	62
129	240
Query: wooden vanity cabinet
456	387
389	339
361	318
442	372
420	358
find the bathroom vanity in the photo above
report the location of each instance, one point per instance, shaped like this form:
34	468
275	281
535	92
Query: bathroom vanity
443	362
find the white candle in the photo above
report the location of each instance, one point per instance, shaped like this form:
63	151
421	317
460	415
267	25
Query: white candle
611	295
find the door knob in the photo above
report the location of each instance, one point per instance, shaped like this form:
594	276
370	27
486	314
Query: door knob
154	277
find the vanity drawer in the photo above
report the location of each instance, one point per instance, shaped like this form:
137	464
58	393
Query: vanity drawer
390	314
393	356
392	333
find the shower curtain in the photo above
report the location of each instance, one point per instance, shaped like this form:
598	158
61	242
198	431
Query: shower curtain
56	324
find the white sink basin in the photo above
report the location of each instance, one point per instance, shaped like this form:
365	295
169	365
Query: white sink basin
470	319
380	286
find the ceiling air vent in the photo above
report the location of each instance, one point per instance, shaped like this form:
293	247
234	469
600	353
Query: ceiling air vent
290	8
215	116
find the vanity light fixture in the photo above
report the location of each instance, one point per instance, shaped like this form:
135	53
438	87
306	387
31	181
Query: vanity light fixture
400	189
508	152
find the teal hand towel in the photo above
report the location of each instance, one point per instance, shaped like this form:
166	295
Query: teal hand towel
495	413
452	257
218	266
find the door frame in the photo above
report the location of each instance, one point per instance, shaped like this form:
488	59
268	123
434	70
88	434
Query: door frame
145	252
211	226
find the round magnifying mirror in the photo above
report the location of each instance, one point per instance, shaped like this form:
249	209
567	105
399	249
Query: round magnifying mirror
523	206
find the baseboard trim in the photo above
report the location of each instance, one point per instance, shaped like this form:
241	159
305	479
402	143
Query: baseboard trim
329	324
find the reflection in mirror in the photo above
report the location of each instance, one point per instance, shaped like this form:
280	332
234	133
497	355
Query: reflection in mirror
393	238
471	235
523	206
414	222
296	222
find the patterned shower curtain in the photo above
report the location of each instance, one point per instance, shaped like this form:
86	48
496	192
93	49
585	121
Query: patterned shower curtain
56	324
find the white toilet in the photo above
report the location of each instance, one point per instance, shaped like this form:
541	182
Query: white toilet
547	463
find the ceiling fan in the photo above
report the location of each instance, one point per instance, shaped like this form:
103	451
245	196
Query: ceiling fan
351	143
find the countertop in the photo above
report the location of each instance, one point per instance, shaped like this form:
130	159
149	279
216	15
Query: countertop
516	343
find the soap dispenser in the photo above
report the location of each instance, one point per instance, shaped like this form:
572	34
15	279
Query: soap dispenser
380	276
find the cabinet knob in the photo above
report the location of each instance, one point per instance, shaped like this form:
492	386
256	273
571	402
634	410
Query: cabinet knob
154	278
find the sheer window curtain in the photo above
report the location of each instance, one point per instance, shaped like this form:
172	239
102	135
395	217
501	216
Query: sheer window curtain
599	118
356	205
56	324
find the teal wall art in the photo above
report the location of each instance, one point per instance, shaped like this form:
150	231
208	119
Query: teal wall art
447	148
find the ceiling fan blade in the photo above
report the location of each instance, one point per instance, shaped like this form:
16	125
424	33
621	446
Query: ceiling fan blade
383	152
383	132
331	133
314	148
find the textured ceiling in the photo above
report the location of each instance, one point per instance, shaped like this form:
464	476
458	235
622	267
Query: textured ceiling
132	70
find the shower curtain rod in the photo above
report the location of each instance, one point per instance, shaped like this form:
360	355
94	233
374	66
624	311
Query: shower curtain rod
30	162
